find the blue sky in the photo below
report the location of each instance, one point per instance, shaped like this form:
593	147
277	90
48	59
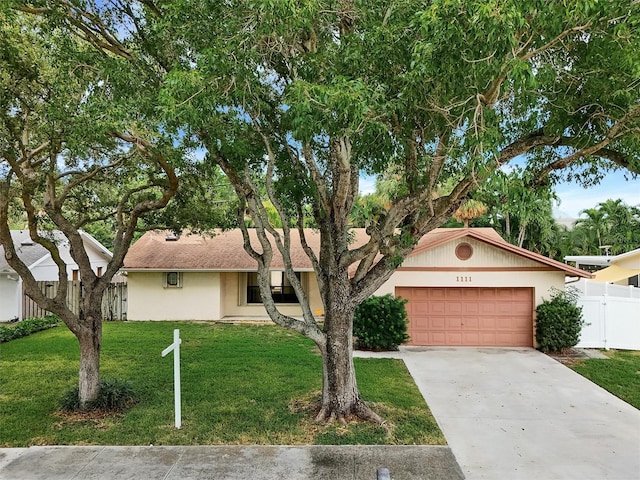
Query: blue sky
575	198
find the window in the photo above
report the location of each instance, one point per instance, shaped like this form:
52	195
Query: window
99	271
75	275
281	288
173	280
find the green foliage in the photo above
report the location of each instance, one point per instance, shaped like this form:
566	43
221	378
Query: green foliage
611	223
380	323
558	322
27	327
115	395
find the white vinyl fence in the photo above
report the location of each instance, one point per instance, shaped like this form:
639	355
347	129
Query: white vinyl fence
611	314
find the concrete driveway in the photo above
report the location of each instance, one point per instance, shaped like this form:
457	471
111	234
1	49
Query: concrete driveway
518	414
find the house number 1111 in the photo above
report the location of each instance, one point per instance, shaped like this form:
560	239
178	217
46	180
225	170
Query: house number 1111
463	279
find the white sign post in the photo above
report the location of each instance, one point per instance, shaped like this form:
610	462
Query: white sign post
175	346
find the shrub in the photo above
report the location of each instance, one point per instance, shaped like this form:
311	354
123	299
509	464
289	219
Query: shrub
115	395
27	327
380	323
559	322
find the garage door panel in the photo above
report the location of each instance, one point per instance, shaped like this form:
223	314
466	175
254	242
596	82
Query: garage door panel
433	293
469	338
487	339
469	294
523	338
471	322
505	323
423	323
454	338
453	323
487	323
487	293
424	338
453	294
505	308
436	323
520	308
471	308
487	308
469	316
521	294
420	308
453	308
437	308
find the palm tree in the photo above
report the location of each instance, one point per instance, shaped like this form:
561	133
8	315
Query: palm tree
595	226
620	225
470	210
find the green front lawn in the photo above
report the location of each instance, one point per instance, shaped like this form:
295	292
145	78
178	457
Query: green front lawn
241	384
619	374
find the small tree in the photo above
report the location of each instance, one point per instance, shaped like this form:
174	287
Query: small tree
559	321
71	155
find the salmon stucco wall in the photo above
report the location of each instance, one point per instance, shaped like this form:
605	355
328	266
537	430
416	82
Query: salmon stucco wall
197	299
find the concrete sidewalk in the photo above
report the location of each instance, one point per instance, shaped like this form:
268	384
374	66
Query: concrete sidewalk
228	463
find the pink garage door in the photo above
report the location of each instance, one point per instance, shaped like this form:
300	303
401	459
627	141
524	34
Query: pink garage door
496	317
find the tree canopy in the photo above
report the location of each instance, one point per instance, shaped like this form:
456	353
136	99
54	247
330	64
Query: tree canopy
294	100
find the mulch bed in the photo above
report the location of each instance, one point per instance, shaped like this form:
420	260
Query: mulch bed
569	356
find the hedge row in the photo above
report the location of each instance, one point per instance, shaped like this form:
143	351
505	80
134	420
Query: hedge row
27	327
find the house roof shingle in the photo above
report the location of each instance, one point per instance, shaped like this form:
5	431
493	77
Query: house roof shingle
223	251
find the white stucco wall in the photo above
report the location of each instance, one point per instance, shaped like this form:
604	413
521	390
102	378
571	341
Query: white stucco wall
9	297
197	299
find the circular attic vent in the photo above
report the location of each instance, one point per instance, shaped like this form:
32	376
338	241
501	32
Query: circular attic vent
464	251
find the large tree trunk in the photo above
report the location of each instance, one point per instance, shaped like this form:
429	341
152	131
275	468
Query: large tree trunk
90	339
340	396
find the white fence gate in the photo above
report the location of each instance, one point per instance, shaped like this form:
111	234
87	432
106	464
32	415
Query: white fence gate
611	314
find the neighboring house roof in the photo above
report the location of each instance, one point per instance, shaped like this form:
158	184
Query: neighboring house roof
224	250
602	260
28	251
32	253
